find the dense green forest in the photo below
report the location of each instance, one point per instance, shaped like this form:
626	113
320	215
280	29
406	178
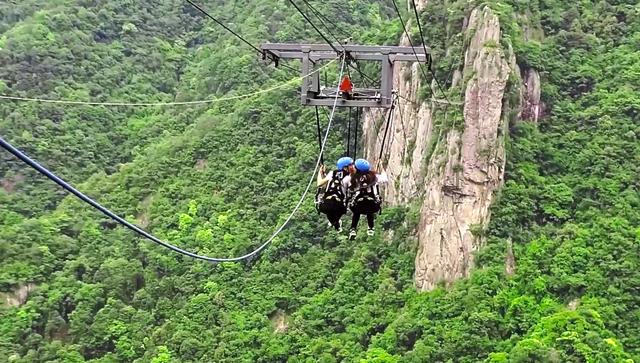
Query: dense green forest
218	178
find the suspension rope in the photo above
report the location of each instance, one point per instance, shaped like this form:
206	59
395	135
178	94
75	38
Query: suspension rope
386	131
413	180
355	137
322	17
319	136
406	32
205	13
323	21
349	133
415	10
44	171
364	76
314	26
183	103
434	100
430	64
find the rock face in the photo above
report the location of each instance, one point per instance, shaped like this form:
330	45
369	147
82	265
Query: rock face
452	172
279	320
510	260
18	297
531	108
9	184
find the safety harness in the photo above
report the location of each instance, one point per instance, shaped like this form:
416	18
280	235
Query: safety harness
365	195
333	191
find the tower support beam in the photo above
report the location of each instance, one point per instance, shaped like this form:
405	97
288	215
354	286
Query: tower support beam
312	92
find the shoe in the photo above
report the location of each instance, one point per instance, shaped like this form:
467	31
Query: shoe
352	234
370	232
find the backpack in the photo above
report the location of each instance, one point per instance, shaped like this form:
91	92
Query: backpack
332	197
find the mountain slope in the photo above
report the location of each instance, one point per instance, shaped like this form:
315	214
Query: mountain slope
217	179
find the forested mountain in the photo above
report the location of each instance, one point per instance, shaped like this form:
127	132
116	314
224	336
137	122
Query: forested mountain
218	178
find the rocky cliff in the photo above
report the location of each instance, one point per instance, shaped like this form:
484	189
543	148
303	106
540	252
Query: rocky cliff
449	159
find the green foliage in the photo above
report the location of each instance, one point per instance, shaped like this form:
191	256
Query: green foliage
163	355
217	179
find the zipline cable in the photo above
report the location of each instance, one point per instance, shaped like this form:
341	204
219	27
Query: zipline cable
138	104
412	179
364	75
314	26
205	13
435	100
320	15
323	21
415	11
404	28
433	74
44	171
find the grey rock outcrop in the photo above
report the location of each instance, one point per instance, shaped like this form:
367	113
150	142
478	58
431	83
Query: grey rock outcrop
453	172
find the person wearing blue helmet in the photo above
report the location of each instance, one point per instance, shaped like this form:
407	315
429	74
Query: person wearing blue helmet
364	194
332	198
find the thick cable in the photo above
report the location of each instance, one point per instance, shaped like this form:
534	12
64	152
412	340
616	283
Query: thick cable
433	74
322	17
415	11
183	103
364	75
324	20
406	32
314	27
205	13
32	163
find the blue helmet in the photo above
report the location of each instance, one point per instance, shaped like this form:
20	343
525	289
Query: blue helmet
343	162
362	165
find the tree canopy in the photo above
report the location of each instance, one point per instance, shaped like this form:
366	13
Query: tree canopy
218	178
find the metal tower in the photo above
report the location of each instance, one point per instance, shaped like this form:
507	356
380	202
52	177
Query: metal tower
314	94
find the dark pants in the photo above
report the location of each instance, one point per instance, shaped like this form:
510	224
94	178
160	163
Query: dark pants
334	211
366	207
356	218
334	219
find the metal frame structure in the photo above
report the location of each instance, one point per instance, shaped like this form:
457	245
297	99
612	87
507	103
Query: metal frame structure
313	94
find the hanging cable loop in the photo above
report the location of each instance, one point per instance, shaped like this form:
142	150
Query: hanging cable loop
164	104
69	188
